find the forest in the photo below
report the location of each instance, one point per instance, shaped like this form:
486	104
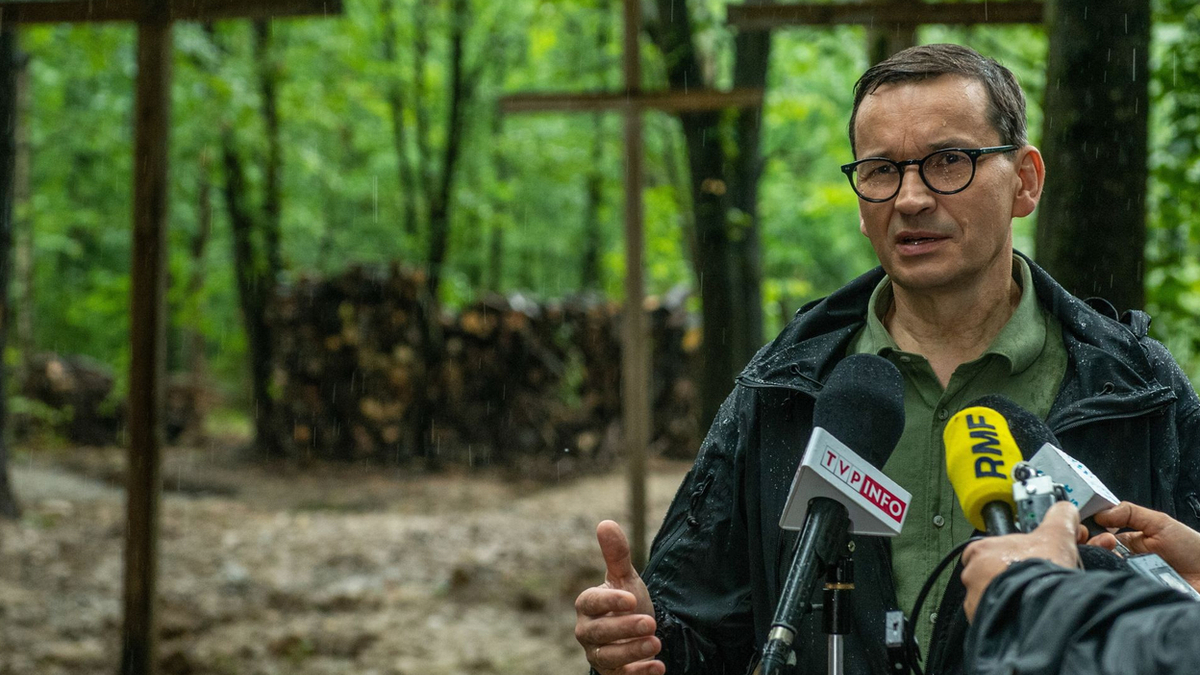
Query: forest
373	145
377	273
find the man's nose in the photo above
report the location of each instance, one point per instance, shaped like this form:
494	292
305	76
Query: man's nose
914	196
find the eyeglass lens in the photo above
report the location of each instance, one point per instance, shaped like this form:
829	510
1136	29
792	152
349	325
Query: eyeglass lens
947	171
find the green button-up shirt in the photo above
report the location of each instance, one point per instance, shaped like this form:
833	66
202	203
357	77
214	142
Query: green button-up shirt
1026	362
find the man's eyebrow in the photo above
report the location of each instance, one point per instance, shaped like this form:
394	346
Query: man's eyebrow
954	142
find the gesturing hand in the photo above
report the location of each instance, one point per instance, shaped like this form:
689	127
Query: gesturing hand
614	622
1157	532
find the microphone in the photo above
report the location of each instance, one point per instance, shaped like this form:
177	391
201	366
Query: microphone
980	455
1039	444
839	489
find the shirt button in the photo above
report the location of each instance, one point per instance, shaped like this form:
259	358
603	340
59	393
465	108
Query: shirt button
943	414
933	617
939	521
905	359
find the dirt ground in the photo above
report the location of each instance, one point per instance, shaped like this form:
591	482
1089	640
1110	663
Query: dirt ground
267	570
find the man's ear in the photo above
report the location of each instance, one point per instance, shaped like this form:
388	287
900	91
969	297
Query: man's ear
862	225
1030	178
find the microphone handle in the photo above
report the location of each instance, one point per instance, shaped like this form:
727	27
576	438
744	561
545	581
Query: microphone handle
998	517
825	533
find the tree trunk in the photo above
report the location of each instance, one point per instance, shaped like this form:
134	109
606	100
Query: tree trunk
8	118
724	197
590	275
23	224
1091	232
255	285
883	40
460	86
409	191
495	258
194	348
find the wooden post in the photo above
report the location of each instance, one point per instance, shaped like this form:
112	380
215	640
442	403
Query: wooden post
147	337
147	330
636	356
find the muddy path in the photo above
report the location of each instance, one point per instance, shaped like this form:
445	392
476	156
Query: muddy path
267	570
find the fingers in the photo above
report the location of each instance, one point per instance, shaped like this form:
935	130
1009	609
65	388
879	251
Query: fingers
1104	540
620	655
644	668
1064	515
615	549
599	601
1127	514
610	629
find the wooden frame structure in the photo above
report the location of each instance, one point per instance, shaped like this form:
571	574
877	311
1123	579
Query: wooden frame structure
147	331
635	348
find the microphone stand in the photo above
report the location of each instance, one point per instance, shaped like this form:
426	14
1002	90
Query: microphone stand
822	543
839	582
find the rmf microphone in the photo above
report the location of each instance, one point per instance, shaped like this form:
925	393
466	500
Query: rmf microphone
839	489
980	455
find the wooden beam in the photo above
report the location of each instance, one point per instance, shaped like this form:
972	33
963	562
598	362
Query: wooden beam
27	11
147	335
669	101
766	17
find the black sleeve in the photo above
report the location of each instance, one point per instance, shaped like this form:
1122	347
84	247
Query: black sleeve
698	574
1186	494
1041	619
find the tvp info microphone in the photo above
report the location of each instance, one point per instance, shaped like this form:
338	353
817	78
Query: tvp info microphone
858	418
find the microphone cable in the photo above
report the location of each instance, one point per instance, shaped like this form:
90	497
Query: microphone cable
910	638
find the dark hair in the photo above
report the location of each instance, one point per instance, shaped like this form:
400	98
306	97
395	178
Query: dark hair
1006	109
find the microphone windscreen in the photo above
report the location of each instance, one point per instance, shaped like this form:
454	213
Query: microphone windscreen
980	455
1028	431
862	405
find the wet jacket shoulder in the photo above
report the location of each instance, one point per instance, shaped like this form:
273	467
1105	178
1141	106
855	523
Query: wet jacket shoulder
1041	619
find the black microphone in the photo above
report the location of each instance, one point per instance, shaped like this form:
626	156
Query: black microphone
862	407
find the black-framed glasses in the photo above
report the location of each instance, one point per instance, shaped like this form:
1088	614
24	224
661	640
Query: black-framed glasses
877	179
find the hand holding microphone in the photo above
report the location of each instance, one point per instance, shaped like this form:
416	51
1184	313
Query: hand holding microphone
1155	532
1054	540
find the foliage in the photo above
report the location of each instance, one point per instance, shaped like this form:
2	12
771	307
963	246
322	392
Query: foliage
1173	273
522	179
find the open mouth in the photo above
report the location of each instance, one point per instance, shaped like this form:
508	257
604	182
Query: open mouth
918	239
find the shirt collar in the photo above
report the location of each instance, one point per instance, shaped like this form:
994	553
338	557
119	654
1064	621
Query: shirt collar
1020	342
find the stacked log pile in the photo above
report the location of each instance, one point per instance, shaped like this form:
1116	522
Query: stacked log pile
516	378
73	397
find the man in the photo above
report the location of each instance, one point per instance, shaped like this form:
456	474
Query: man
1034	613
942	167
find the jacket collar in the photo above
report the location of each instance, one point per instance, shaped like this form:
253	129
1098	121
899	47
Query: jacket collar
1108	373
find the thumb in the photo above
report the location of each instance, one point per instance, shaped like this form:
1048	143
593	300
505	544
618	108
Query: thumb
615	548
1127	514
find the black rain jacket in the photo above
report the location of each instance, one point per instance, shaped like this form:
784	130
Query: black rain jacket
1040	619
718	563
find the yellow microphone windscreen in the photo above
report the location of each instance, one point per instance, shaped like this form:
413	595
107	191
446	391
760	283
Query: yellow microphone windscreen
980	455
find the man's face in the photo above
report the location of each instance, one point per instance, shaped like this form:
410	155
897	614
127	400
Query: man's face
928	241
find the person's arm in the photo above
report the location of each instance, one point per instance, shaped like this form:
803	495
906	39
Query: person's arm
1033	613
1038	618
692	613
